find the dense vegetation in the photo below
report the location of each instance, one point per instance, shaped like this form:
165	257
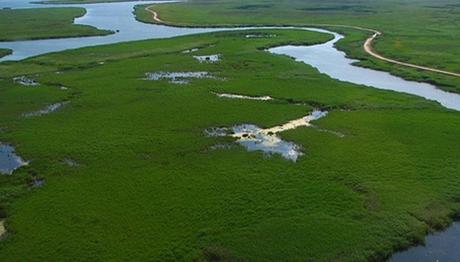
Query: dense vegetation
423	32
4	52
37	23
82	1
148	186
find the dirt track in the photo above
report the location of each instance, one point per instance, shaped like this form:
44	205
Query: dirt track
367	46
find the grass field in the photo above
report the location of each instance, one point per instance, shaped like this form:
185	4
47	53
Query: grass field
4	52
422	32
83	1
39	23
149	187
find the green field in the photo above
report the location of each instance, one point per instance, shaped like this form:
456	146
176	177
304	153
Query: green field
40	23
4	52
149	187
423	32
83	1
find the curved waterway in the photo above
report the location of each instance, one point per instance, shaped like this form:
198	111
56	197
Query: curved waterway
328	60
118	17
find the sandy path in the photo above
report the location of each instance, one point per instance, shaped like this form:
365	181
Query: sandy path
155	16
367	45
369	50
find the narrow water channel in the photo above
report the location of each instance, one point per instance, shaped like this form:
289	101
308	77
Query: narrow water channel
119	18
444	246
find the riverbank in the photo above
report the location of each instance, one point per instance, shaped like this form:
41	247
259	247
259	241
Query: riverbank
153	175
5	52
449	82
44	23
367	44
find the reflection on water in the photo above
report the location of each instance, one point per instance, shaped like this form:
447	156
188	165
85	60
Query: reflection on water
117	17
260	35
37	182
440	246
188	51
25	81
177	77
208	58
334	63
254	138
46	110
9	161
235	96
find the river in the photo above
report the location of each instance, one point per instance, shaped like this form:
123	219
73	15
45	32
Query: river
119	18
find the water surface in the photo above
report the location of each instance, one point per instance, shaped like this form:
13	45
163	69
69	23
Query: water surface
207	58
327	59
178	77
9	161
440	246
254	138
119	17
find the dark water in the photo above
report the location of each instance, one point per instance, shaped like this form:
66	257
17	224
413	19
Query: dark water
440	246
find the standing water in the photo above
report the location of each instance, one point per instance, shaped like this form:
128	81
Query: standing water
441	246
327	59
118	17
9	161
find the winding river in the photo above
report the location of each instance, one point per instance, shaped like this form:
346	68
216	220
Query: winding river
119	18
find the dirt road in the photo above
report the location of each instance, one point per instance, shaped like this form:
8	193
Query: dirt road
367	46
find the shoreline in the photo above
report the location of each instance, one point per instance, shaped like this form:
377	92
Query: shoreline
367	46
100	32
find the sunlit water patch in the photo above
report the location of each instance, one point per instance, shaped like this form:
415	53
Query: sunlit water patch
236	96
70	162
118	17
177	77
262	35
9	161
327	59
440	246
188	51
49	109
37	182
25	81
254	138
208	58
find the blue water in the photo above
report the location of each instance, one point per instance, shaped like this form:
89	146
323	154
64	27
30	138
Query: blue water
118	17
440	246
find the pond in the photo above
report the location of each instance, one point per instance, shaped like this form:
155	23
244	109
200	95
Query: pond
254	138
